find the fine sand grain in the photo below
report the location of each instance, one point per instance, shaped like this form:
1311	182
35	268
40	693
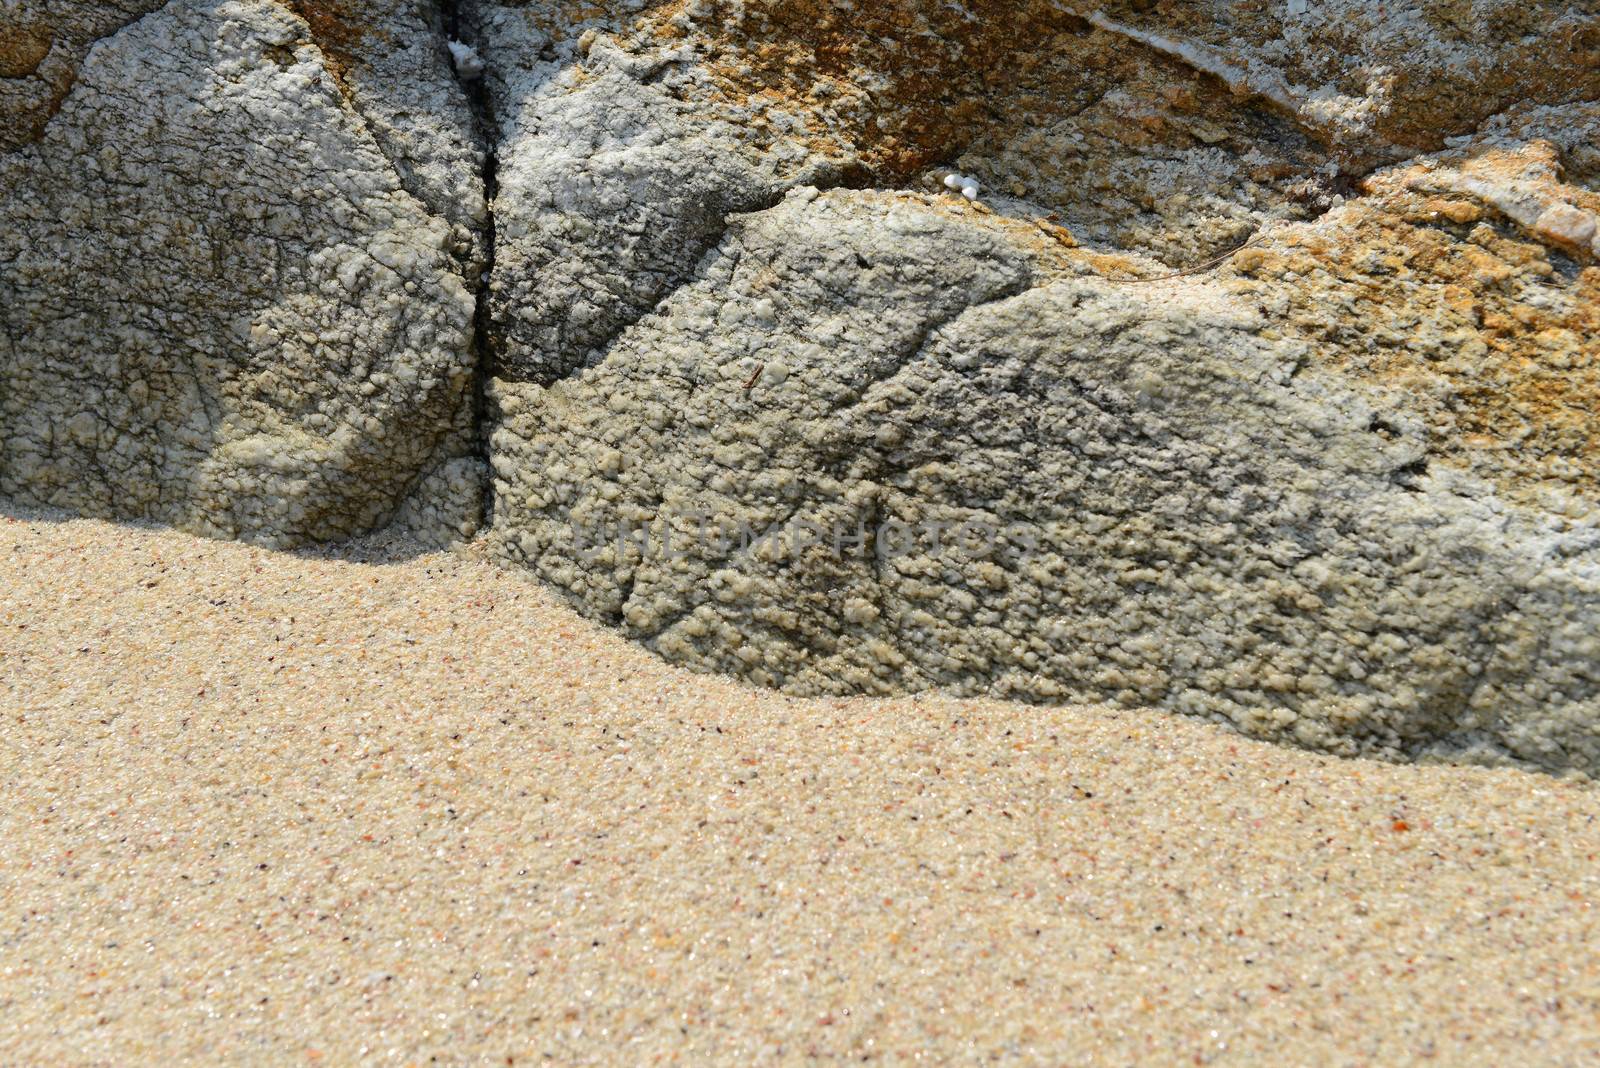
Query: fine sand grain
301	809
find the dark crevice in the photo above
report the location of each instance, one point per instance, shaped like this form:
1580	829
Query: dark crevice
488	133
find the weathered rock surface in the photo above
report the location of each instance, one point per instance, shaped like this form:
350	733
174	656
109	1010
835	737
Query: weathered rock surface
1467	282
1338	491
1337	488
41	46
239	265
627	130
1142	500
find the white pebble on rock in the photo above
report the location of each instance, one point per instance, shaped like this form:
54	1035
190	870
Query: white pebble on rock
469	65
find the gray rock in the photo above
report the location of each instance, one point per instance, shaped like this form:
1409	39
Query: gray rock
42	43
237	291
1071	492
613	180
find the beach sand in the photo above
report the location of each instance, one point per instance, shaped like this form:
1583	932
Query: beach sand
309	809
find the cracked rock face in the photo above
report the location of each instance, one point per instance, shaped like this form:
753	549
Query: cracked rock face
42	45
238	270
757	388
1071	492
1169	128
1337	490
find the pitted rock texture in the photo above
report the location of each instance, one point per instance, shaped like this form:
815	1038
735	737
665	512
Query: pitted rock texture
627	128
237	273
1149	501
42	43
1337	490
612	181
1468	282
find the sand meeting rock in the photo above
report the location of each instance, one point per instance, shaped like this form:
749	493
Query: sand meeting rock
1281	494
299	808
1256	342
1147	502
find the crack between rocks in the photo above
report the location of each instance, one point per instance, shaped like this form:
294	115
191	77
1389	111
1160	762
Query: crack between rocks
476	91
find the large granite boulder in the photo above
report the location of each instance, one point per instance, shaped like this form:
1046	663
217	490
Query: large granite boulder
771	399
878	444
239	264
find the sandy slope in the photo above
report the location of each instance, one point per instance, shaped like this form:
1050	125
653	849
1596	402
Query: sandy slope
294	809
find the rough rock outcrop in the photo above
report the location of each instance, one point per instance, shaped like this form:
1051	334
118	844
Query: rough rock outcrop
628	131
41	47
1068	491
239	270
1336	491
1259	383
